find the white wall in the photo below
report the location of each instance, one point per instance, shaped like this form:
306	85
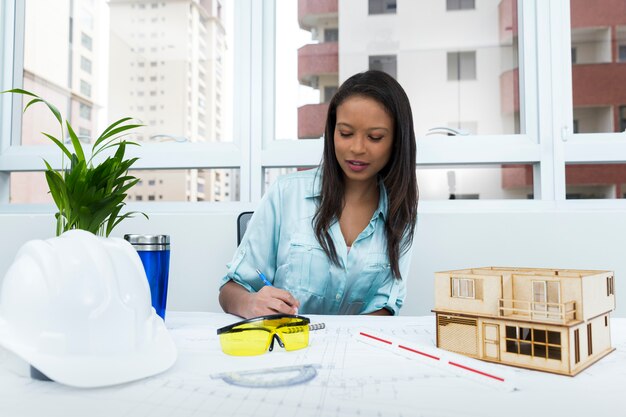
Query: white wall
203	243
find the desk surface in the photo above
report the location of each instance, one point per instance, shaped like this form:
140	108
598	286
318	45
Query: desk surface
352	379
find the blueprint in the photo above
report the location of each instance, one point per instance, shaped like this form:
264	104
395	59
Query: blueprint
337	375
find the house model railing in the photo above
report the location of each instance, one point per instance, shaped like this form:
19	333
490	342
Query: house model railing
538	310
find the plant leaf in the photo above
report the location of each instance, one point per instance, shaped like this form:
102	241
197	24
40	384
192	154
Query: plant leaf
78	148
52	107
59	144
108	132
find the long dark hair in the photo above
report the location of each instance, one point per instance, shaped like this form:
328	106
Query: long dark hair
398	175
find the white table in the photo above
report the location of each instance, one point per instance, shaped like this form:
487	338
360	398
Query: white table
352	379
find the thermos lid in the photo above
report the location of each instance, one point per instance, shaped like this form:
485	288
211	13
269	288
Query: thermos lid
149	242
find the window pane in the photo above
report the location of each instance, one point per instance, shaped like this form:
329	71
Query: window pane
595	181
512	346
554	338
168	65
271	174
511	332
385	63
474	183
469	76
306	65
382	6
28	187
598	75
539	335
186	185
525	348
554	353
540	350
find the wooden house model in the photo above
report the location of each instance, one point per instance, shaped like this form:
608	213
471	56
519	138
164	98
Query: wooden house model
554	320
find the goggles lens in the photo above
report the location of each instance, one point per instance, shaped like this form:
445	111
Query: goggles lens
255	336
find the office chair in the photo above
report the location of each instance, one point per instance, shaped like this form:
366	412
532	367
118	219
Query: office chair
242	224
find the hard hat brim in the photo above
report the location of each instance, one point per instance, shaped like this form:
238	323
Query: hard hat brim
91	371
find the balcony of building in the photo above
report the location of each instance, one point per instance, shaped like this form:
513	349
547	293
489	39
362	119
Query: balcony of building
595	13
594	85
507	16
599	84
311	120
315	60
540	312
310	12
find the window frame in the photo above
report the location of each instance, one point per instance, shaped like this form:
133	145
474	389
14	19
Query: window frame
464	288
545	108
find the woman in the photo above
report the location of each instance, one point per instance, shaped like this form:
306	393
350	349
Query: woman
337	239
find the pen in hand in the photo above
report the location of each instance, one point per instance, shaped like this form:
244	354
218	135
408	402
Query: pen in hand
266	281
263	278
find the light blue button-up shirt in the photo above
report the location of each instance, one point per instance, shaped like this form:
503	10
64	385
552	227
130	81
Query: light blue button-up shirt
281	243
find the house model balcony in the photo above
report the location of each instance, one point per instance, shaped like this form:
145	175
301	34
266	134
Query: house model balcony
554	320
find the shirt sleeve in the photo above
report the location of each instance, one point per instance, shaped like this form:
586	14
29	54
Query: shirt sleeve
259	245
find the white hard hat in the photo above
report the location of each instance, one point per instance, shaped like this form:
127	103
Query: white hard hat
77	308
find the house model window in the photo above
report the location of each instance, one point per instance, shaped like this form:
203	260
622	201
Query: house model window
527	317
463	288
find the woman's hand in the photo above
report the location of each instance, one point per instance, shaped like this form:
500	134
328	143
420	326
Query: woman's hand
271	300
237	300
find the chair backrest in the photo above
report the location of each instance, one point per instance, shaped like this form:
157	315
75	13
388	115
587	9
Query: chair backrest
242	224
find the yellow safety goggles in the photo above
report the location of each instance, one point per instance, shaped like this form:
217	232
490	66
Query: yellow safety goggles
254	336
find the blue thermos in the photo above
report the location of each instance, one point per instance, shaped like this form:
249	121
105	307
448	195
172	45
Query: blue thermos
154	251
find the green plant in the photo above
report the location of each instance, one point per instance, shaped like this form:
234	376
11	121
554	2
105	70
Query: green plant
89	197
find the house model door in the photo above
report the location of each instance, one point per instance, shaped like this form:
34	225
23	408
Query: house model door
491	341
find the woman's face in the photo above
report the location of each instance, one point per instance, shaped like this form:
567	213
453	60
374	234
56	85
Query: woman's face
363	138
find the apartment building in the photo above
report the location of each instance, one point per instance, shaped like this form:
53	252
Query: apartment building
166	68
458	60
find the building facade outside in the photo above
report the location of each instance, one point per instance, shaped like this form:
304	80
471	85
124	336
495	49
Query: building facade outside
161	62
458	62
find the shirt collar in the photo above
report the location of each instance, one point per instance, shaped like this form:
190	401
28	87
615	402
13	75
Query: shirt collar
316	189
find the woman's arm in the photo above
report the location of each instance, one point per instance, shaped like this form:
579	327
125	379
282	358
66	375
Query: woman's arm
381	312
235	299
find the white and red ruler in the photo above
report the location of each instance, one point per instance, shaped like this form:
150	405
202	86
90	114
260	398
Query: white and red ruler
493	375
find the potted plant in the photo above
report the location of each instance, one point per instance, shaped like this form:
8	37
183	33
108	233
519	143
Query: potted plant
89	196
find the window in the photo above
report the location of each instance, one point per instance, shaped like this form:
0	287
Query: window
460	5
386	63
622	118
85	88
85	111
84	132
539	343
576	346
382	6
329	92
589	340
502	98
331	35
85	64
463	288
622	53
461	66
86	41
610	282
